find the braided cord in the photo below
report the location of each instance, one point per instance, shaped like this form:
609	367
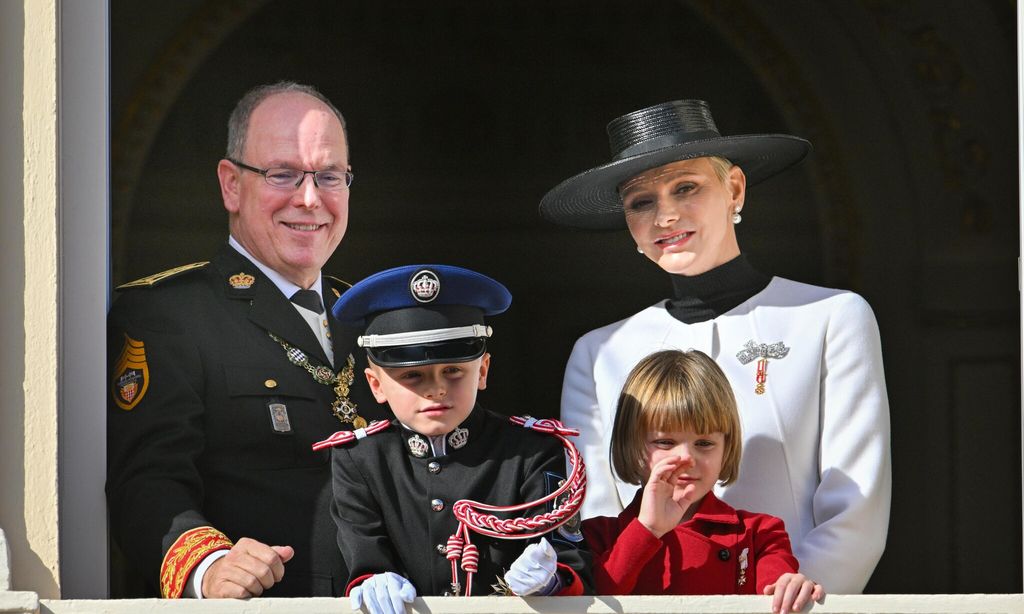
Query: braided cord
470	516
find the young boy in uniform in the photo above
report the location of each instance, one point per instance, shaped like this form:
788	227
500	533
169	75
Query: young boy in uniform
395	482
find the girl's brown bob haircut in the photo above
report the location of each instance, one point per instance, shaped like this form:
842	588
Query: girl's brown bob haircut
673	390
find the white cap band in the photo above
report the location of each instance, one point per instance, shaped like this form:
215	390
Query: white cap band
421	337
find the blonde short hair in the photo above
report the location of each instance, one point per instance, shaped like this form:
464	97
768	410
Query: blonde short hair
722	167
673	390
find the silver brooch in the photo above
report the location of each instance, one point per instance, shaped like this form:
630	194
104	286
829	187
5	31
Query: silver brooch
458	438
418	446
761	352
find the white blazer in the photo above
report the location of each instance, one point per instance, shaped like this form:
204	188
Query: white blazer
815	442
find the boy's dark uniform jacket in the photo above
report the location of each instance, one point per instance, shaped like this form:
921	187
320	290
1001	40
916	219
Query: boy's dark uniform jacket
386	500
194	458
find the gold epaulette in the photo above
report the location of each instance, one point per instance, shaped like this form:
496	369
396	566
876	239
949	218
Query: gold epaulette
152	280
185	553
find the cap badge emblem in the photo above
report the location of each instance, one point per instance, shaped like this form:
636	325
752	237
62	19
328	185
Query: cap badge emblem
425	286
418	446
458	438
241	281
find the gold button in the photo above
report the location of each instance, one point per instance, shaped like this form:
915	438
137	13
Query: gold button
325	323
270	383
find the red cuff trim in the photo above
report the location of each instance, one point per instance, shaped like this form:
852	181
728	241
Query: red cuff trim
357	582
575	586
185	553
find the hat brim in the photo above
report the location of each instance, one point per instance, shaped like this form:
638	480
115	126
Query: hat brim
455	351
590	200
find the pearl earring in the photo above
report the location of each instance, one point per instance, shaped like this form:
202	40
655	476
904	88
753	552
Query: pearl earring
638	250
736	217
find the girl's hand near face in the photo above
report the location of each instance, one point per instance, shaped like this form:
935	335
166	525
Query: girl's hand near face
663	505
792	591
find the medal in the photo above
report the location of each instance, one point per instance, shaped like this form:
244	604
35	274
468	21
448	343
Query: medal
343	408
742	579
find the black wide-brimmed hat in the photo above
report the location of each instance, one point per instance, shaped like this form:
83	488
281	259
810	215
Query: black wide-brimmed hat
651	137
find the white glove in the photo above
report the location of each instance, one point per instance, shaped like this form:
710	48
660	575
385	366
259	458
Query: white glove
534	571
383	593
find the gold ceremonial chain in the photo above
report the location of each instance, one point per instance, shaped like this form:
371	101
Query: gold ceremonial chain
342	408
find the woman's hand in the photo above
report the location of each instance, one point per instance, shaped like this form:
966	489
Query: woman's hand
792	591
663	504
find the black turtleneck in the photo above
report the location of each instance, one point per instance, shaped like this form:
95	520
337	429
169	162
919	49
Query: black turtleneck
702	297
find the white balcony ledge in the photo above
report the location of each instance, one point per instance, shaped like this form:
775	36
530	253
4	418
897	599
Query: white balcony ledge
14	602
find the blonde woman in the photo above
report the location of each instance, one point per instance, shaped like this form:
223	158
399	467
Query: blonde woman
804	361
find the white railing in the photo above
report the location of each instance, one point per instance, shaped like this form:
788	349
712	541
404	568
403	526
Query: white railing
13	602
26	602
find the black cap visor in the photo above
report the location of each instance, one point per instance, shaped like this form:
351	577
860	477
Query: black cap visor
458	350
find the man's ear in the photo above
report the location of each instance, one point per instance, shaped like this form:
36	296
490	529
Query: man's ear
485	364
375	387
230	180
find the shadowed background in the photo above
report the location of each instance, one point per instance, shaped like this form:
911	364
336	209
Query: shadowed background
462	114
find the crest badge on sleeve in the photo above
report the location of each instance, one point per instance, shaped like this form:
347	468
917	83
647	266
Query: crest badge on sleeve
130	375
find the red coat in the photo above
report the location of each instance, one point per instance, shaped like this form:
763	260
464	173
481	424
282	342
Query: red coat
702	556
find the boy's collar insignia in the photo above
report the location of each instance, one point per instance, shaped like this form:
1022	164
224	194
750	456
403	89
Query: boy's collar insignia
458	438
761	352
425	286
418	446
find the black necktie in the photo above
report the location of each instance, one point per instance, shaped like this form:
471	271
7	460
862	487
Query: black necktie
308	299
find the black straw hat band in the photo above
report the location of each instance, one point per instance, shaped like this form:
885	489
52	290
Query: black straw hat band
663	141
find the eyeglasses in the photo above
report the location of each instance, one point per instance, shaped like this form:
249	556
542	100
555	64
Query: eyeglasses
290	178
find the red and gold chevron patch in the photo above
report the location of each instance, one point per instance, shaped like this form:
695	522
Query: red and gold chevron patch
185	553
131	375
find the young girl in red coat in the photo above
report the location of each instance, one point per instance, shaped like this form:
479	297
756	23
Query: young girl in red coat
677	433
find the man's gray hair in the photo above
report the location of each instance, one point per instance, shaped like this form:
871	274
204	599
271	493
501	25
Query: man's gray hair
238	123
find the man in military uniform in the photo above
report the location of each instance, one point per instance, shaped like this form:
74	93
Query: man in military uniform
219	384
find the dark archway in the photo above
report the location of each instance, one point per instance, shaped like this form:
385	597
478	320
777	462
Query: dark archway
463	113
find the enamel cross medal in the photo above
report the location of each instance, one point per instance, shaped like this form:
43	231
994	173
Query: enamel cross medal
762	352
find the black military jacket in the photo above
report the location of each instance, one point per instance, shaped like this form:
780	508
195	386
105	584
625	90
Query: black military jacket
394	509
200	447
